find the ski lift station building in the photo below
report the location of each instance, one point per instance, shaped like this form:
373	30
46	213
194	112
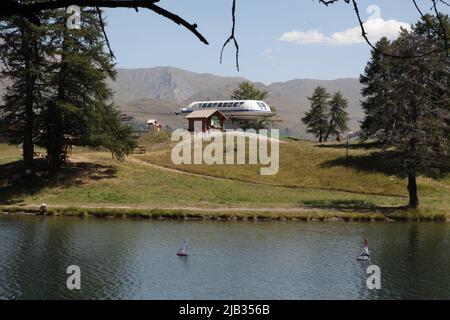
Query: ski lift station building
236	112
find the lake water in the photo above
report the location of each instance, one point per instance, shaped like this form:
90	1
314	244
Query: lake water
126	259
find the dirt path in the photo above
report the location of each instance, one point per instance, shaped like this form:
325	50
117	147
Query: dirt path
177	171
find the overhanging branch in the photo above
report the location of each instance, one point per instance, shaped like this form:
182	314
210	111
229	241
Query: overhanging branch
232	37
441	33
30	10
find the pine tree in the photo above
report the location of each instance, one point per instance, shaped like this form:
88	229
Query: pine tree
337	116
377	105
22	52
248	91
80	111
407	103
316	119
59	96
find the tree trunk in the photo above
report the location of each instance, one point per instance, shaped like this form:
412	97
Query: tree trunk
28	148
55	159
54	144
330	128
412	189
30	82
56	132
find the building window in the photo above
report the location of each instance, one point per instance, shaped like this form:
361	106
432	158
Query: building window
215	121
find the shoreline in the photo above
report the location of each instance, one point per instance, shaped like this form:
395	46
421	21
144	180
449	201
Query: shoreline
304	214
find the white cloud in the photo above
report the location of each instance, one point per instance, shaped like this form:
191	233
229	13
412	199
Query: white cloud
376	28
310	36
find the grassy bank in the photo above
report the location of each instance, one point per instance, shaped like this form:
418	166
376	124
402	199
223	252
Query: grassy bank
314	182
227	215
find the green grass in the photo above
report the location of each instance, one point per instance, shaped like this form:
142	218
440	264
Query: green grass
248	215
310	177
9	153
326	168
135	184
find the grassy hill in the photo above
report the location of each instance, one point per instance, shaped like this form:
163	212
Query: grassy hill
312	180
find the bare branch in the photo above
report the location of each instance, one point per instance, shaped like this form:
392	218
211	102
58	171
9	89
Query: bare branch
327	3
102	24
444	33
29	10
430	25
232	37
388	54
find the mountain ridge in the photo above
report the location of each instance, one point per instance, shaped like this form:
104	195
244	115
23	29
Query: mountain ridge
146	90
157	92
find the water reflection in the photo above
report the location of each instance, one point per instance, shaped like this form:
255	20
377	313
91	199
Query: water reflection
228	260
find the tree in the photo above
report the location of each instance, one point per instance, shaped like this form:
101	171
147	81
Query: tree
316	119
80	112
59	96
337	116
22	48
407	102
247	91
377	105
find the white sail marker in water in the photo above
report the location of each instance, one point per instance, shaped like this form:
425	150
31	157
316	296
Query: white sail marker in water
183	249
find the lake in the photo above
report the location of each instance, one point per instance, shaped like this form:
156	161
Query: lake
129	259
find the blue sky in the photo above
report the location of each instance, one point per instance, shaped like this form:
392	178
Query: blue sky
279	40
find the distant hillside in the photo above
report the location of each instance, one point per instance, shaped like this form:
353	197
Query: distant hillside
159	92
166	83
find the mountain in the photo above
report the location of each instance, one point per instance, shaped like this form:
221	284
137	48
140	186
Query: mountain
165	83
159	92
156	93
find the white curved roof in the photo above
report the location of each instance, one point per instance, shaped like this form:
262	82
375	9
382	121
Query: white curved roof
256	106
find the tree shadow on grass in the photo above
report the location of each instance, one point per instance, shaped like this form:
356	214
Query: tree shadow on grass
13	185
351	146
387	162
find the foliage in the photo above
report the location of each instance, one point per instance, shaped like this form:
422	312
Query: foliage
59	83
316	119
248	91
337	116
407	102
